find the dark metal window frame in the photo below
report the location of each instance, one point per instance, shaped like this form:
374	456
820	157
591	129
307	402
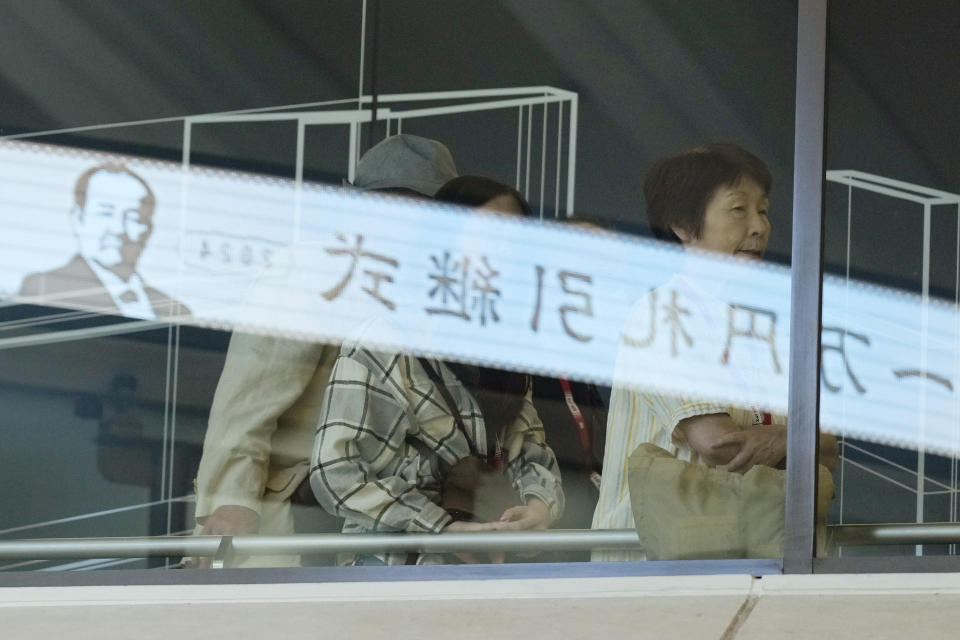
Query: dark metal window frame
803	403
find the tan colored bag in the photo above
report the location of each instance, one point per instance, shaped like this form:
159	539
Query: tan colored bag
685	511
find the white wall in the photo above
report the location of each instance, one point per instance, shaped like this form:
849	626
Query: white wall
695	607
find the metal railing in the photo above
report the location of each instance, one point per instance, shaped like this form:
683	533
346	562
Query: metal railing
223	548
893	534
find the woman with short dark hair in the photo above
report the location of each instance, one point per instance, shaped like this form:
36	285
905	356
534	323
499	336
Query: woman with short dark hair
677	189
713	198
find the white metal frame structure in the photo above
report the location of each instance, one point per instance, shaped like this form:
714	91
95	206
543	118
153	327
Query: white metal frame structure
926	198
536	108
403	108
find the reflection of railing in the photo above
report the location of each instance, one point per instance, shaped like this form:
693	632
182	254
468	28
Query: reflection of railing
222	548
71	335
892	534
924	202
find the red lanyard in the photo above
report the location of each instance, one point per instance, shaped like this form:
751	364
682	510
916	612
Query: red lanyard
495	460
583	431
762	417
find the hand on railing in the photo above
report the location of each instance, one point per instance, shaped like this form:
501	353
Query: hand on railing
533	515
469	557
229	520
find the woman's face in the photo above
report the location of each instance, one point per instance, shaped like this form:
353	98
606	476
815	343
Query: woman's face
504	203
735	221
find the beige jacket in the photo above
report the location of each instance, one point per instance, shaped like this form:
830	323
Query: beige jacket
262	425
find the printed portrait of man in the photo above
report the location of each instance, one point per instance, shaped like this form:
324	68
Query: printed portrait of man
112	219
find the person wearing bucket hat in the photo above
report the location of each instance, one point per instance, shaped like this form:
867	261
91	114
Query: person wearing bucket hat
260	433
405	162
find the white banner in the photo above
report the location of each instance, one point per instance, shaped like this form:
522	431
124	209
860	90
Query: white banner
320	263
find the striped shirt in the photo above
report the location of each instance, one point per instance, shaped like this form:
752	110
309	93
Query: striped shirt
637	415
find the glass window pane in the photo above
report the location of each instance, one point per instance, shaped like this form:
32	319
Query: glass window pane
231	309
890	294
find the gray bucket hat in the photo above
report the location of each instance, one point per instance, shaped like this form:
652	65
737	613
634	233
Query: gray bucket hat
405	161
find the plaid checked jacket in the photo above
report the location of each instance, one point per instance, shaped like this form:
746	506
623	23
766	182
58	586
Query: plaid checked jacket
365	467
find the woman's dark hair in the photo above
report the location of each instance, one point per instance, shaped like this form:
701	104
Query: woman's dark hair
677	189
475	191
500	394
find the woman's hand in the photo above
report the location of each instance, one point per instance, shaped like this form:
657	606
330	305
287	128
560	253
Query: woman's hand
533	515
758	444
468	557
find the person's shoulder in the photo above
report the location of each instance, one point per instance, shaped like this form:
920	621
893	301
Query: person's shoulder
641	306
75	268
32	284
382	363
74	274
271	346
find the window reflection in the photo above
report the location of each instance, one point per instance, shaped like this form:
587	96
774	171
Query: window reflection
353	349
255	272
891	218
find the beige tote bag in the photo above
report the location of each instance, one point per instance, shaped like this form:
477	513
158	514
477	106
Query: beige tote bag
686	511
